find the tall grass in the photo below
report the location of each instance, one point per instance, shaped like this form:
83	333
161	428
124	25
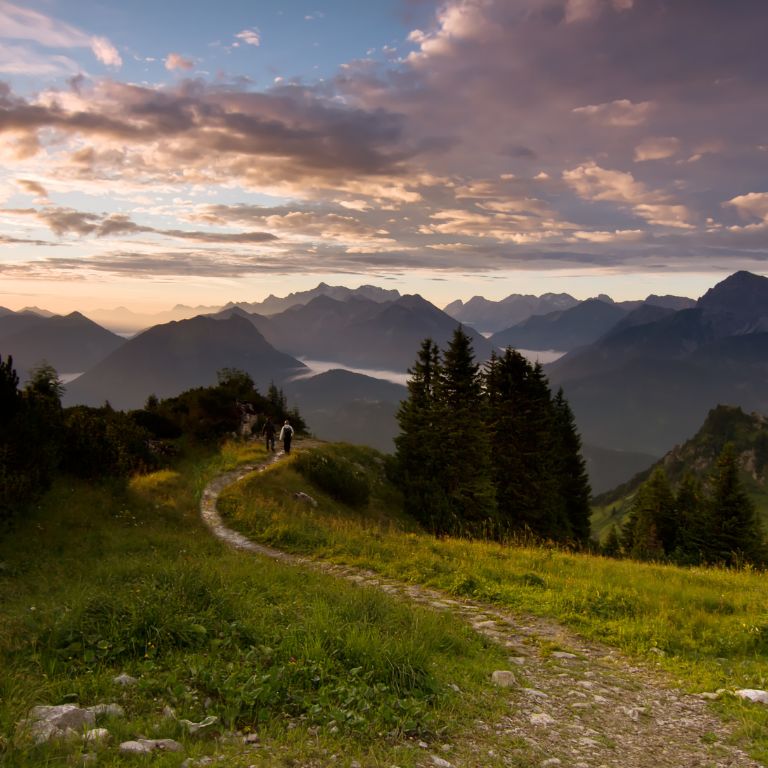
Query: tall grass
105	579
707	627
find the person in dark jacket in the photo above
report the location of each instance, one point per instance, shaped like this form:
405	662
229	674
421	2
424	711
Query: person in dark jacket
268	432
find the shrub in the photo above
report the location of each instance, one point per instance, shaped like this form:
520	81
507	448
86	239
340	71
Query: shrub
337	477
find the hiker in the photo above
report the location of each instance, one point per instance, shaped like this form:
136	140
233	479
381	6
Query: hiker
286	435
269	431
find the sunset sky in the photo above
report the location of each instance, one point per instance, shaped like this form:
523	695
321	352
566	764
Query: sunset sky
164	152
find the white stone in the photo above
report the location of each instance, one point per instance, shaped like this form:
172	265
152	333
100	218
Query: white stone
542	718
142	747
564	655
535	693
63	716
125	679
504	678
551	762
439	762
193	727
753	694
97	736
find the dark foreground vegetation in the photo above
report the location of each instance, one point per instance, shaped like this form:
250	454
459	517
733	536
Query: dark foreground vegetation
39	438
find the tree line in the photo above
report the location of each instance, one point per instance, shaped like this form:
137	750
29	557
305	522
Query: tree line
489	450
710	522
39	438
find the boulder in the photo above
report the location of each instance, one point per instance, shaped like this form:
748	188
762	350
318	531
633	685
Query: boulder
752	694
504	678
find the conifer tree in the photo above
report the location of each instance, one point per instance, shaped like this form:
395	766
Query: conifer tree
693	522
571	471
735	531
650	531
417	445
612	544
465	447
522	419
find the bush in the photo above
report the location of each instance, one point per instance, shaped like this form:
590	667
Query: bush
337	477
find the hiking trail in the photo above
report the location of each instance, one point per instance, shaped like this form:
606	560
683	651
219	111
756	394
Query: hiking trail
584	705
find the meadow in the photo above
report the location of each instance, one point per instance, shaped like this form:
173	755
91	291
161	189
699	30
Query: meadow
104	579
707	629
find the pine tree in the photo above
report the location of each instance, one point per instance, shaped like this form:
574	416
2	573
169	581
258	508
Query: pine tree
612	544
522	424
464	441
693	522
571	471
417	445
735	531
650	531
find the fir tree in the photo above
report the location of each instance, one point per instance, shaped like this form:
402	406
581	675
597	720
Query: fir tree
417	445
612	545
693	522
735	531
522	424
464	441
650	530
571	471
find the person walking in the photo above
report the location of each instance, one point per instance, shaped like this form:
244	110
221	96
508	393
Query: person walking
268	432
286	435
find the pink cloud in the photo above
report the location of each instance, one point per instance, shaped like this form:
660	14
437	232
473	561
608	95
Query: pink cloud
175	61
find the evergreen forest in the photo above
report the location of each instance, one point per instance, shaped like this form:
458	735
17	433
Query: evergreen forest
489	451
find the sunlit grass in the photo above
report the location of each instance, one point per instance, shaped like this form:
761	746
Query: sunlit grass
707	627
104	579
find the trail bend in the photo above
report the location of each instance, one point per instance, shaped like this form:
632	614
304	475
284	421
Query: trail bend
583	706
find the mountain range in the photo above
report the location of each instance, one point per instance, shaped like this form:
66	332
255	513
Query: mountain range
649	382
167	359
640	376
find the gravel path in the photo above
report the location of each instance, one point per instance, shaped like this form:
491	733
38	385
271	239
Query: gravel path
583	705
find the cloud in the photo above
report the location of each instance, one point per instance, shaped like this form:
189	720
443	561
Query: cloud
68	221
592	182
621	113
656	148
582	10
753	205
33	188
18	23
250	36
175	61
105	52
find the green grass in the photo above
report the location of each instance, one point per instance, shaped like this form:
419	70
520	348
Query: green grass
707	628
105	579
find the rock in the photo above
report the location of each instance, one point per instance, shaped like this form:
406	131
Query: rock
146	746
439	762
251	738
142	747
519	660
542	718
97	736
192	727
305	497
564	655
201	761
535	693
752	694
504	678
63	716
551	762
125	679
107	710
709	696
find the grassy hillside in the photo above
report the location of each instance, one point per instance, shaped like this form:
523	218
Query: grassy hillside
103	580
706	627
724	424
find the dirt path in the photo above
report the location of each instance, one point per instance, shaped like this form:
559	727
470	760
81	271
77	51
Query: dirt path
582	705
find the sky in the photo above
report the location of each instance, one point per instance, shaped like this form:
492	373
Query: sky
162	153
